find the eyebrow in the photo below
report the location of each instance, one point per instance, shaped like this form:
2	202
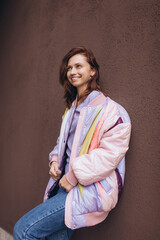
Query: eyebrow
75	64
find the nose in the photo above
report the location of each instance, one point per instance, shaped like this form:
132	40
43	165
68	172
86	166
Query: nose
73	71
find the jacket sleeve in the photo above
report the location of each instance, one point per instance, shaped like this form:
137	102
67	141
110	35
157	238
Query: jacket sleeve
53	155
100	162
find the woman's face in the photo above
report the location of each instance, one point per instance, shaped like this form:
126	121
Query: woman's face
79	72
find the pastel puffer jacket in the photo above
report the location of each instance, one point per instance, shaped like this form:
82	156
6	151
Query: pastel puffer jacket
97	162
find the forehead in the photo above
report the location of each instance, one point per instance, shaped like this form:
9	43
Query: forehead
78	58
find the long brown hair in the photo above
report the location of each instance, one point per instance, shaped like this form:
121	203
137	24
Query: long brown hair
70	92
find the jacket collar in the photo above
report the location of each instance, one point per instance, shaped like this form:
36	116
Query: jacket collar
98	100
95	102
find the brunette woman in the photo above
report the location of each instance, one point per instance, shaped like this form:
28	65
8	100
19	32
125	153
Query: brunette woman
87	165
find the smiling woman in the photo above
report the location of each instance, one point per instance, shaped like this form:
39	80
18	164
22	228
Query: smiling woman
83	59
87	165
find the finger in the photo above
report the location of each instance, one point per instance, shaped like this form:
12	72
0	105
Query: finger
55	178
56	166
58	172
53	175
53	171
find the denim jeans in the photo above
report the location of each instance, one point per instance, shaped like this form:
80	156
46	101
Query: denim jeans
46	221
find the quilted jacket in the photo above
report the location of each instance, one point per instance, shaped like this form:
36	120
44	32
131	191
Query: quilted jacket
97	161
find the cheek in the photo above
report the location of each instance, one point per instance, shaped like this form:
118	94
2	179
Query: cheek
87	75
84	72
87	71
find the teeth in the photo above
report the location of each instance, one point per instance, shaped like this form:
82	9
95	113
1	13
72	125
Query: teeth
75	78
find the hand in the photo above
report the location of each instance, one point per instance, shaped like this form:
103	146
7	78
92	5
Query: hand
65	184
54	171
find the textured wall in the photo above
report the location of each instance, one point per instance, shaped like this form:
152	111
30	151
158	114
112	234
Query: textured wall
34	36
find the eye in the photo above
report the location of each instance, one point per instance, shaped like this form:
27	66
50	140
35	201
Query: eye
68	69
78	66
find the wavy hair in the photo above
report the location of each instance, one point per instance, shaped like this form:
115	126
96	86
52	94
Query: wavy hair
70	92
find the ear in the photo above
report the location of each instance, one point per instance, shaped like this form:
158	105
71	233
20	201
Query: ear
93	71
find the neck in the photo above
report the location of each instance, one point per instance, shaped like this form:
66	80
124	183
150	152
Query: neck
81	90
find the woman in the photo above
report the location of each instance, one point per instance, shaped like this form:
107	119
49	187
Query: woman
87	165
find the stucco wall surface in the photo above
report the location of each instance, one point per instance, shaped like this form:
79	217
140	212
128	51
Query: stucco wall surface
34	36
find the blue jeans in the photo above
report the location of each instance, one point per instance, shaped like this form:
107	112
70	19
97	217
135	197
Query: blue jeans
45	221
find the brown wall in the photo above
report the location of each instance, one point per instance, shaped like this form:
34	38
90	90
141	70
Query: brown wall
34	36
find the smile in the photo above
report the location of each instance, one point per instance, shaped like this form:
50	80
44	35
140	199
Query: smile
75	78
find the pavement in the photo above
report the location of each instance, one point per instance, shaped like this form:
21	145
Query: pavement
5	235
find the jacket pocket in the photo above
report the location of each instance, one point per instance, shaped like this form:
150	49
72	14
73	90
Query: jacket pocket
109	195
106	186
